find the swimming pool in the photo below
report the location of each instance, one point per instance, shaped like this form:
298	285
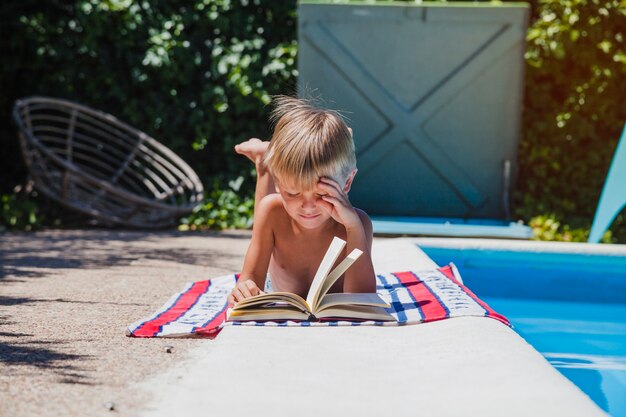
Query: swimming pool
569	303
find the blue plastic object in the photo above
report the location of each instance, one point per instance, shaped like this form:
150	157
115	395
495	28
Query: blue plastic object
613	198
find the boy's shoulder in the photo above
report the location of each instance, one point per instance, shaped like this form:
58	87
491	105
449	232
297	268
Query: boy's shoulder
365	220
270	207
270	202
362	214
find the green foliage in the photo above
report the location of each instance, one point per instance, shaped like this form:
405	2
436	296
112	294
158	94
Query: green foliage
574	110
547	227
194	74
19	213
223	208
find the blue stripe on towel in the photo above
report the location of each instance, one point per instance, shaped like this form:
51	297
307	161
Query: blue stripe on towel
395	301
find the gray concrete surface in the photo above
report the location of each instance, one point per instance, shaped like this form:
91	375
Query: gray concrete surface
66	298
457	367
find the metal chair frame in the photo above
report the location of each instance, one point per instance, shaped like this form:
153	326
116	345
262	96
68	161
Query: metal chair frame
91	162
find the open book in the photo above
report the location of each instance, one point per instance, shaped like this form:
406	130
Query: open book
318	304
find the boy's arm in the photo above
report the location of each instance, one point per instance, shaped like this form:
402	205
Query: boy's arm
259	252
360	277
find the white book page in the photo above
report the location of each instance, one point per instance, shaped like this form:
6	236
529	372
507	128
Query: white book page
329	260
351	299
335	274
294	299
268	314
357	312
275	297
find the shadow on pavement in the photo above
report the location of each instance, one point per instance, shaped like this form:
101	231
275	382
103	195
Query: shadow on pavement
24	257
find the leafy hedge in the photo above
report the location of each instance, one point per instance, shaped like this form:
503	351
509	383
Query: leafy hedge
194	74
197	74
574	110
223	208
19	214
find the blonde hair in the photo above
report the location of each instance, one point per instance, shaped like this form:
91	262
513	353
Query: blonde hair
308	143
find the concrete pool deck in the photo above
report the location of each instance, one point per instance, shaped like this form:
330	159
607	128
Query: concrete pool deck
67	296
461	366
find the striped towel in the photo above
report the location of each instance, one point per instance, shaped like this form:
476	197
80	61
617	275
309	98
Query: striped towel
415	297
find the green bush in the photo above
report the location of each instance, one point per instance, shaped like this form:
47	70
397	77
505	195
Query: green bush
548	227
574	110
19	214
194	74
223	208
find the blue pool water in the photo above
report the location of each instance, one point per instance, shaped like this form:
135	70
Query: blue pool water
571	308
586	342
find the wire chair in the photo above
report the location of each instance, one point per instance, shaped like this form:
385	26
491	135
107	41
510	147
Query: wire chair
91	162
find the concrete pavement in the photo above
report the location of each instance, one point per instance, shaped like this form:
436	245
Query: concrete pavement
461	366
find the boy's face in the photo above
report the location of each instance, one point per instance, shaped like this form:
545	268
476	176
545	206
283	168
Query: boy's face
304	206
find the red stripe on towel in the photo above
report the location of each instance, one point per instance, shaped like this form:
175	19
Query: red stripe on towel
181	306
430	306
448	272
213	328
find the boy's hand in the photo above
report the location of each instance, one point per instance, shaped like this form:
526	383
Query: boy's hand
336	202
243	289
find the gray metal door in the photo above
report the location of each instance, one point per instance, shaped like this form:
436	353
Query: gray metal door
433	94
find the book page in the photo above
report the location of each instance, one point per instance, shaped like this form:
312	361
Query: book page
327	263
352	299
264	313
274	297
356	312
335	274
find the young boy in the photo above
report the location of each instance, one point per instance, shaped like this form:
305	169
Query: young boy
303	178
